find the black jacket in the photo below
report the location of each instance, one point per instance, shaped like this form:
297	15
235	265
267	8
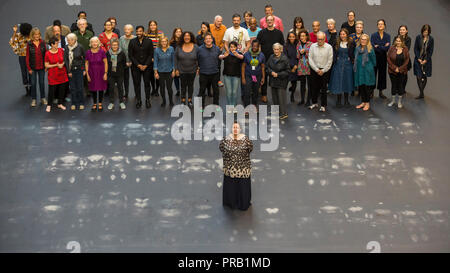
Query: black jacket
78	58
141	53
121	64
282	68
32	51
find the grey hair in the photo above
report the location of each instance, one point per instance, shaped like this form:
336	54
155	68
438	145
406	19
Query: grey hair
321	33
331	20
115	40
217	17
128	25
278	45
72	36
95	38
81	21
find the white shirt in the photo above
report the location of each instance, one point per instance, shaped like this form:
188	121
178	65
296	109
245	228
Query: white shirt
320	57
239	35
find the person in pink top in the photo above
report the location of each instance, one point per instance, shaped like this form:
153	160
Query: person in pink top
268	10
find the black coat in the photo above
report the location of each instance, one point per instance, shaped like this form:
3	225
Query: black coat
290	51
429	52
121	64
141	53
78	58
282	68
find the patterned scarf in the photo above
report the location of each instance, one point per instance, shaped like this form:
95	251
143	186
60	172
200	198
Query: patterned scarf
114	58
300	47
71	48
365	56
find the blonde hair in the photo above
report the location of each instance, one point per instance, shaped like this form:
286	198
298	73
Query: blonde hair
359	23
161	39
33	31
95	38
369	44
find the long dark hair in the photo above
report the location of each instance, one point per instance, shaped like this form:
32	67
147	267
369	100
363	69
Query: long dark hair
181	42
298	19
338	41
287	38
149	23
398	32
173	39
208	29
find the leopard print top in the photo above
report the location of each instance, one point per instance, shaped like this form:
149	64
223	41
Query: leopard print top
236	157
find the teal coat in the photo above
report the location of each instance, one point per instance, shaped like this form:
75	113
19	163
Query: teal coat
365	75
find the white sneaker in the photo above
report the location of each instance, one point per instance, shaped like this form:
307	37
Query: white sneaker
391	103
322	109
44	101
312	106
110	106
33	103
122	106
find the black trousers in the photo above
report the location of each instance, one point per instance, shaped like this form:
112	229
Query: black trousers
94	95
165	81
24	70
154	82
305	80
251	90
57	91
364	92
421	83
208	80
319	86
114	80
264	86
398	84
137	75
381	70
187	85
126	80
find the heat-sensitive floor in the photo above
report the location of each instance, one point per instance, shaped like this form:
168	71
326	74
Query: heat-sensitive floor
116	181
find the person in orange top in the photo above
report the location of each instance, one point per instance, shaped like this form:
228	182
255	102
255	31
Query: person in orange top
218	31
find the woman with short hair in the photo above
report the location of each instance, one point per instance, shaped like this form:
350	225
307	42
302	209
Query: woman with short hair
96	65
278	69
117	61
57	74
124	43
74	60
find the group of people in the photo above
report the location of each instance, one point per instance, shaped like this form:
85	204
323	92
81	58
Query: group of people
255	55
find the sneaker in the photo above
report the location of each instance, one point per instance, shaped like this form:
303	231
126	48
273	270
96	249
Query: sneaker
33	103
73	107
284	116
44	101
400	105
322	109
391	103
312	106
122	106
220	83
81	107
110	106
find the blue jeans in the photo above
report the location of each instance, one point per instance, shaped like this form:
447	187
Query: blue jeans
76	86
232	88
33	76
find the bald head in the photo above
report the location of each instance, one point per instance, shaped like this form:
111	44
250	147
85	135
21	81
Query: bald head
316	26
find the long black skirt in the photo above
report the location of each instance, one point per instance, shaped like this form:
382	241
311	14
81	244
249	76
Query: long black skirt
237	192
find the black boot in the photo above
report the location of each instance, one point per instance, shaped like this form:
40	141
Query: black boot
138	104
28	91
421	96
178	93
339	100
292	96
147	103
381	94
346	102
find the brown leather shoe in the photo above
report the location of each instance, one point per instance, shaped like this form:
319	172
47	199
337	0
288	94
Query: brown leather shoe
264	99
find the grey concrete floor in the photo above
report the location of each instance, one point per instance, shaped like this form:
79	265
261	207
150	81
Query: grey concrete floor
117	181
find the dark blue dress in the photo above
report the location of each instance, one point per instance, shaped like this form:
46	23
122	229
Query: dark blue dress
342	73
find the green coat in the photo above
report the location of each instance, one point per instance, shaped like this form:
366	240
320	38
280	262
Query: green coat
365	75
